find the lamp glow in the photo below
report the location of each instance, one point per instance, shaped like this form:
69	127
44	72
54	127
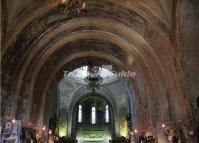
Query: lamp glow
44	128
136	131
13	120
163	125
49	132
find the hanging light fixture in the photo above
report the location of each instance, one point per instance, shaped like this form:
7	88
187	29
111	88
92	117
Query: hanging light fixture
70	6
93	79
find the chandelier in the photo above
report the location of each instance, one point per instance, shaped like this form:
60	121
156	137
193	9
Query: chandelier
93	79
71	6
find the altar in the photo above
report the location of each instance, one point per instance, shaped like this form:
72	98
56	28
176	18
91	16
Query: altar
98	136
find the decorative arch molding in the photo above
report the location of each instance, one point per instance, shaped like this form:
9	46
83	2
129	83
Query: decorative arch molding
19	84
136	37
46	7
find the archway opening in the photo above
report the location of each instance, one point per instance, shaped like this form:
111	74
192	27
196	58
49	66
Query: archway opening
93	120
101	112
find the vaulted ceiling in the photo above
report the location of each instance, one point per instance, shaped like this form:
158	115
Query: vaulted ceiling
39	43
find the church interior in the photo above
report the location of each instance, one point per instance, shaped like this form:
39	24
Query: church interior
99	71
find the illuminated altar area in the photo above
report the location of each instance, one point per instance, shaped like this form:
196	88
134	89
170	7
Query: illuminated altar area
92	116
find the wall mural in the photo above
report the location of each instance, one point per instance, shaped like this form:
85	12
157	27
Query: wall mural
123	122
63	124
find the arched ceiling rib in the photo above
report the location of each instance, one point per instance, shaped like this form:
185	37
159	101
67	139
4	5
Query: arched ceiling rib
43	7
120	30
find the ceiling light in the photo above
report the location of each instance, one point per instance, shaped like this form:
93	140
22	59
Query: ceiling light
71	6
93	80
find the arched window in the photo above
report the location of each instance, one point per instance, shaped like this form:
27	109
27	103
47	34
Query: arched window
93	115
106	114
80	114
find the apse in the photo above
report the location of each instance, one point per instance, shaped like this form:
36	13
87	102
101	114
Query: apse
108	98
